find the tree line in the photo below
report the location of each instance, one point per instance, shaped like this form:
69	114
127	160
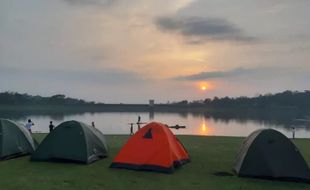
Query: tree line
14	98
287	99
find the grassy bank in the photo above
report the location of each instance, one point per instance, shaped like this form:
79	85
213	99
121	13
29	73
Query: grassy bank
209	155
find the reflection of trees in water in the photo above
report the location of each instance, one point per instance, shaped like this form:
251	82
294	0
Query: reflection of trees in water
180	114
183	114
275	118
13	116
17	115
57	117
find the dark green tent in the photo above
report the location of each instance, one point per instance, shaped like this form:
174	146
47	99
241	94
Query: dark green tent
15	140
72	141
267	153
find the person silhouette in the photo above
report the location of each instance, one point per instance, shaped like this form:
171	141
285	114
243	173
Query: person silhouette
139	122
51	126
131	128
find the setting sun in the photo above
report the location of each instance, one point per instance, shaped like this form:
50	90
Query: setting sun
204	86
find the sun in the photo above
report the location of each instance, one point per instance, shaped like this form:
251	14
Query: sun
204	86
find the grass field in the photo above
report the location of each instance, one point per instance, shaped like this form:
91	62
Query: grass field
209	155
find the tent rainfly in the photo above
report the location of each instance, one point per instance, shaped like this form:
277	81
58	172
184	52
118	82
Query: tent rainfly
72	141
267	153
153	148
15	140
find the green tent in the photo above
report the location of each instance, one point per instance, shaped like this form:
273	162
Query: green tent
267	153
72	141
15	140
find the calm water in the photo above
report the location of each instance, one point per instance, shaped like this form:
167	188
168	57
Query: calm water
117	123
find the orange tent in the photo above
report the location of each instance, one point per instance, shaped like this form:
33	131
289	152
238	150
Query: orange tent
153	148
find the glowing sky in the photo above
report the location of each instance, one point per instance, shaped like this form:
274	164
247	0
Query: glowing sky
133	51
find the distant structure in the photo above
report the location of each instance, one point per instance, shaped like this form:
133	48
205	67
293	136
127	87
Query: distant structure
151	108
151	103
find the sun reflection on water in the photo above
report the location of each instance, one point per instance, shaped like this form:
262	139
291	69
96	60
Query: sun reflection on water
204	129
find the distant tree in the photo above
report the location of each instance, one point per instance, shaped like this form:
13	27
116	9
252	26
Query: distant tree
14	98
207	101
59	96
183	102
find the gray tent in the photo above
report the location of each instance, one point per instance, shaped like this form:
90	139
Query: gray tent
15	140
72	141
267	153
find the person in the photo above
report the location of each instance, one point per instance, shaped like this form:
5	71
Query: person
51	126
29	125
139	127
139	122
93	124
131	128
293	131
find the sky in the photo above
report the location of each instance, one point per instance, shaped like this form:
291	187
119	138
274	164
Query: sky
117	51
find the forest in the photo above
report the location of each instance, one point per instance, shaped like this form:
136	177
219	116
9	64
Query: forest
286	100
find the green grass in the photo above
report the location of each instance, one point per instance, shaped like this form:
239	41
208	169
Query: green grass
209	155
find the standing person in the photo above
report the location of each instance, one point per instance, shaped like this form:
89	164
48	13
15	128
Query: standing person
29	125
139	127
293	131
131	128
93	124
138	123
51	126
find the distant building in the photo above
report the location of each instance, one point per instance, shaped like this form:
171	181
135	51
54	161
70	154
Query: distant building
151	103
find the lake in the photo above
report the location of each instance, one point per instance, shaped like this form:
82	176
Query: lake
196	124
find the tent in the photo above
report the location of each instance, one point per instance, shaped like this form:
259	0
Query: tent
152	148
15	140
72	141
267	153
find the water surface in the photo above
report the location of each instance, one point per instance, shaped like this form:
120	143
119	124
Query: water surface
197	124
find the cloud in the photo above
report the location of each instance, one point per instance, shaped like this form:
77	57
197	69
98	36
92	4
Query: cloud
90	2
261	71
104	76
201	30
